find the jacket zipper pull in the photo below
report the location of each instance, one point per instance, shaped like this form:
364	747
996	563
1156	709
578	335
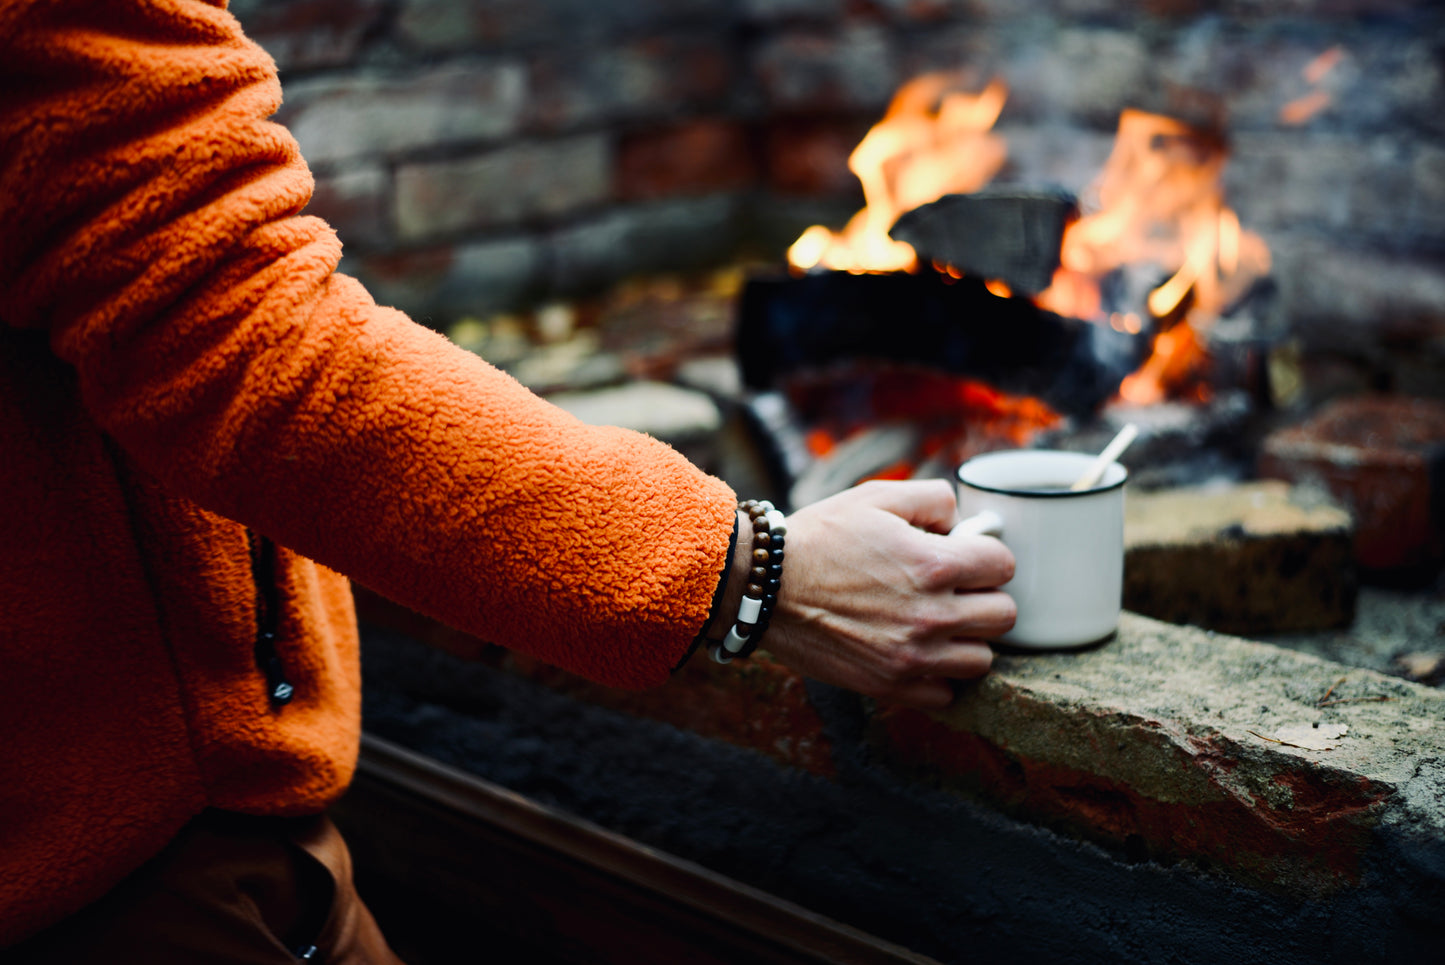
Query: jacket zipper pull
277	686
268	617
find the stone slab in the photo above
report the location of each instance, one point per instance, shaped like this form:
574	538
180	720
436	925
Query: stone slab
1248	558
1164	743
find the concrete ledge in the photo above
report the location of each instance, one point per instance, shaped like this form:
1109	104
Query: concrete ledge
1095	807
1163	743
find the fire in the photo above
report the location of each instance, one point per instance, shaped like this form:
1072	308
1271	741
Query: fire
1157	206
1160	203
933	140
956	417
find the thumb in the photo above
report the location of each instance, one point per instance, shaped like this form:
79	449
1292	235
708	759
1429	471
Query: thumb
926	503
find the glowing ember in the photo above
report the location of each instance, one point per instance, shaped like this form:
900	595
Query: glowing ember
933	140
956	417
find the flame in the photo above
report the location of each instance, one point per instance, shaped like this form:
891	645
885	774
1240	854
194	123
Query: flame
1176	357
933	140
958	417
1160	202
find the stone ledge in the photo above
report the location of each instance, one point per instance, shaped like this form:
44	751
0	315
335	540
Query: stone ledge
1158	743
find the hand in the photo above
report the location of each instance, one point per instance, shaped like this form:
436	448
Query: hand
877	598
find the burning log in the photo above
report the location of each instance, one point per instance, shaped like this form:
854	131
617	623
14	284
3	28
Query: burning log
790	324
1011	236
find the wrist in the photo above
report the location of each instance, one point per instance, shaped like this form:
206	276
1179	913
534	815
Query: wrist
764	571
737	579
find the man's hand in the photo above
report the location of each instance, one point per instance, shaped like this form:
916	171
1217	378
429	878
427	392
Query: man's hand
877	597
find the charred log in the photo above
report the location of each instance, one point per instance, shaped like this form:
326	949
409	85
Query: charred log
792	324
1009	235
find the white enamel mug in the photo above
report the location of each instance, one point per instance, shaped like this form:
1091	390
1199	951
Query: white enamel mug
1068	546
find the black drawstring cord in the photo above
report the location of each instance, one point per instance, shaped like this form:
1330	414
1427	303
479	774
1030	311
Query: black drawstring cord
268	618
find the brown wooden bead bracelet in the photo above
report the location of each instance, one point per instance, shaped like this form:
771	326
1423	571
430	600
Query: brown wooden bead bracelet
765	578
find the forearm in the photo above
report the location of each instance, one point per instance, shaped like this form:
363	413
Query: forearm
151	226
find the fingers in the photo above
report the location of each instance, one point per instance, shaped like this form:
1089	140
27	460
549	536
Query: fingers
982	614
933	690
959	562
983	562
926	503
958	660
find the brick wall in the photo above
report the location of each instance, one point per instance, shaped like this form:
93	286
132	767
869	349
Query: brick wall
480	154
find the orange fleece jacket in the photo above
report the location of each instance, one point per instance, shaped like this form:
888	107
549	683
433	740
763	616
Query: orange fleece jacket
181	367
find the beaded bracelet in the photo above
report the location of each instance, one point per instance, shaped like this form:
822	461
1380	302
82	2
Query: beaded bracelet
765	578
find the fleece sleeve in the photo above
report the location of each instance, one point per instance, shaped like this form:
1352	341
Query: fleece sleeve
150	224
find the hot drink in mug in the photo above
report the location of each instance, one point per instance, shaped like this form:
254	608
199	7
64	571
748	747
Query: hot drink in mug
1068	545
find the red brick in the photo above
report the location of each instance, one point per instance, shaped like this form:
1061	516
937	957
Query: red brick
355	204
756	703
468	24
854	68
1383	457
809	156
346	115
447	282
1323	832
309	33
699	157
641	80
1257	557
519	183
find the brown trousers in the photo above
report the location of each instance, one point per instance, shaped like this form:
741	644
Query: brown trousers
229	890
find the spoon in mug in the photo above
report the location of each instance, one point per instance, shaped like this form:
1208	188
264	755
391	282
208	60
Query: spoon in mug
1112	451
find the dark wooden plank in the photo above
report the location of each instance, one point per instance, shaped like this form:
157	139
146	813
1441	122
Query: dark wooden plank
447	860
788	324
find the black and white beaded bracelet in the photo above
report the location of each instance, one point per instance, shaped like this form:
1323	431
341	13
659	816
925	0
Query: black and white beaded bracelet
765	578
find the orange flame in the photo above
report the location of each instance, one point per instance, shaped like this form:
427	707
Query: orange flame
1160	202
933	140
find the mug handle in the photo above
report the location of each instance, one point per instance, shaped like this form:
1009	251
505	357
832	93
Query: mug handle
986	523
